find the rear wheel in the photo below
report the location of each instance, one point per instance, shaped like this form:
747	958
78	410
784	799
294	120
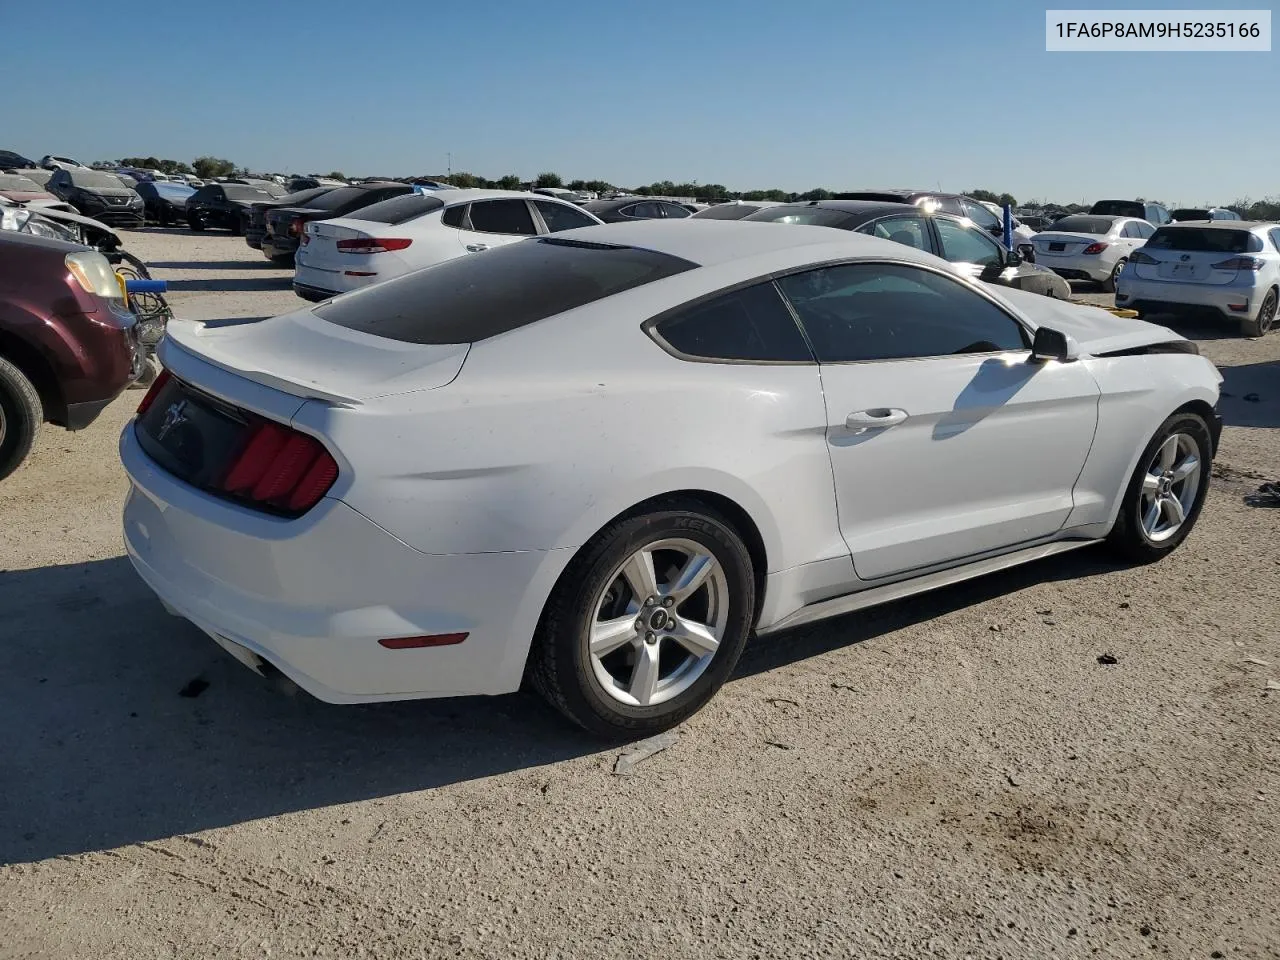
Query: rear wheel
647	622
1260	324
237	226
20	416
1109	284
1167	490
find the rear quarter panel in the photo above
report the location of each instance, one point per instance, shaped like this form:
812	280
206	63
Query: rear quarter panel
1137	394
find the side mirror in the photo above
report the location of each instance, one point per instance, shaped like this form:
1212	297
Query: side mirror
1014	259
1050	344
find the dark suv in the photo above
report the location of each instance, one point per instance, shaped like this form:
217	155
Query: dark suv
98	194
225	205
1153	213
68	343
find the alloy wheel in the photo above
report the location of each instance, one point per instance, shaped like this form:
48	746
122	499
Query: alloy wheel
1169	487
1267	313
658	622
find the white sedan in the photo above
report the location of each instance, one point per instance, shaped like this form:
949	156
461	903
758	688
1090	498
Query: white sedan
416	230
1089	246
601	460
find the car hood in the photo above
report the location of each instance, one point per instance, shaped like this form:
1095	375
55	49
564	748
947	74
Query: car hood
63	216
306	356
106	191
29	196
1095	330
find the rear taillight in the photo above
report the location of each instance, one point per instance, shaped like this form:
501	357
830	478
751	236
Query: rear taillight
1139	257
296	226
1240	263
282	468
373	244
1094	248
158	384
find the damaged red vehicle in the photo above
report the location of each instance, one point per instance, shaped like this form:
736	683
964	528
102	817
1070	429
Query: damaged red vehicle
68	343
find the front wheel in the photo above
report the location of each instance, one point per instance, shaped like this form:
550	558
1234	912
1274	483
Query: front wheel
194	222
1167	490
647	622
20	416
1109	284
1261	324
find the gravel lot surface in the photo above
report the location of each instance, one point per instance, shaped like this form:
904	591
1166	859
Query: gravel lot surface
952	776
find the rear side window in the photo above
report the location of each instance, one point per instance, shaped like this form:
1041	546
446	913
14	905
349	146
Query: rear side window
749	324
512	286
673	211
399	209
502	216
1201	240
559	216
1275	238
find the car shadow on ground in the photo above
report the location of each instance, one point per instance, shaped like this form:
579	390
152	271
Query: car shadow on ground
1251	395
125	724
242	285
1197	326
214	264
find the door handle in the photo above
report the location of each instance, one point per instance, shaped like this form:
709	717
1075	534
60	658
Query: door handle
477	247
873	419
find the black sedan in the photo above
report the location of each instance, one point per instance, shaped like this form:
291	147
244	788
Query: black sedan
224	205
255	228
97	194
285	224
957	239
165	203
625	209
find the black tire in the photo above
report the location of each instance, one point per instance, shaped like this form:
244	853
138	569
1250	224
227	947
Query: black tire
194	222
560	665
282	259
1109	284
237	227
20	416
1264	322
1127	537
162	216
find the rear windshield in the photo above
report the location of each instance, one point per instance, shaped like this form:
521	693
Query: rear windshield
1120	208
399	209
1200	240
1190	215
726	211
817	216
180	190
10	181
303	197
474	298
339	197
96	180
1077	223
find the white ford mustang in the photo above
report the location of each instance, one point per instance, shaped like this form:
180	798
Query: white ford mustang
601	459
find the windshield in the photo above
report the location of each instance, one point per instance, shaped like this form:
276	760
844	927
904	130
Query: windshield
240	191
180	190
96	180
1200	240
11	181
473	298
726	211
1083	223
817	216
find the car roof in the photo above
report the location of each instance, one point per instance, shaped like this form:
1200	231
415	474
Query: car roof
1221	224
868	207
623	201
452	198
711	242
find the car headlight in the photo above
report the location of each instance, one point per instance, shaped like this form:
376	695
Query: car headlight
94	274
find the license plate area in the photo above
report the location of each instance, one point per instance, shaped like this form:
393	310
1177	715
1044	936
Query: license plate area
1057	247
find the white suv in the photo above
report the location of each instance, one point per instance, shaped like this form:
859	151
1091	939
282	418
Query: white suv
1231	266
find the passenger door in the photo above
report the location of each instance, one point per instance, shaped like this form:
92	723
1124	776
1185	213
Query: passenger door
495	223
946	441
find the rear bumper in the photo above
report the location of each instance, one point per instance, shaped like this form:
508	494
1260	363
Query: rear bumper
314	294
274	246
253	236
1162	296
293	592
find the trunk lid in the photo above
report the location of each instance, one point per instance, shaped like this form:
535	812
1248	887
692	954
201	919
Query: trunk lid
302	355
1052	244
1190	254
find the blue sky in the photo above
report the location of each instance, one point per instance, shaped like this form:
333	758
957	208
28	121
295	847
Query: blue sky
749	94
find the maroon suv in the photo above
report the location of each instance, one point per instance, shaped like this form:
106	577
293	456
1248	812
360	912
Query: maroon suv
68	346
